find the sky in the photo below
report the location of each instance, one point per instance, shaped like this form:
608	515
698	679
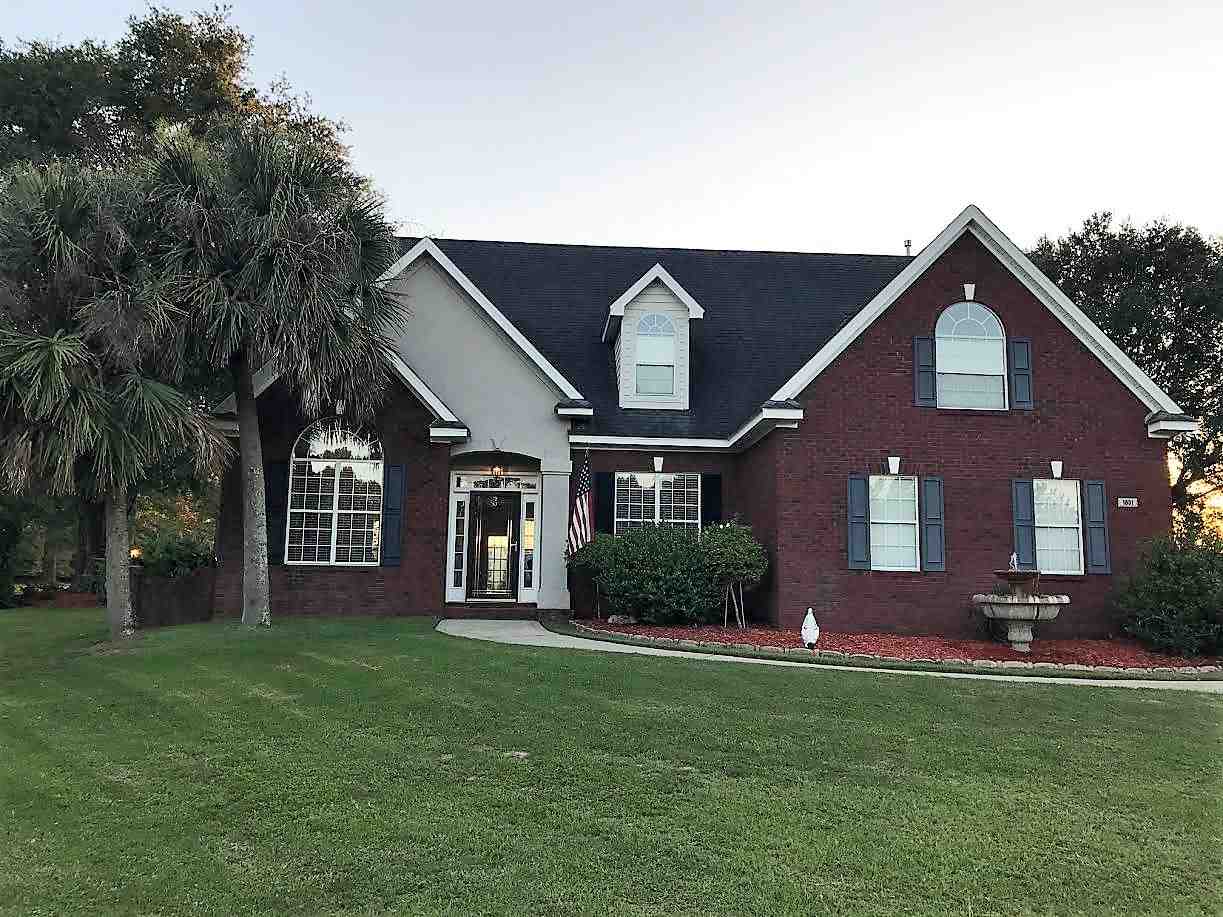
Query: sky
843	127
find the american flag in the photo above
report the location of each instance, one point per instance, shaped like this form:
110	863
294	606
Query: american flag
582	520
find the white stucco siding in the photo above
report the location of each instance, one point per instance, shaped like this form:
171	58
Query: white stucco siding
504	399
654	298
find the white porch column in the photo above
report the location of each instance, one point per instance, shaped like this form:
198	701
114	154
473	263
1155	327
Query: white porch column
553	578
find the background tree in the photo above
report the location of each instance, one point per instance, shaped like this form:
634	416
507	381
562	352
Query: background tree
87	359
1157	291
101	103
276	256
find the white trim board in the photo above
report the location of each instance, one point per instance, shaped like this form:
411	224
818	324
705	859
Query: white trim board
971	219
760	424
264	377
430	248
663	276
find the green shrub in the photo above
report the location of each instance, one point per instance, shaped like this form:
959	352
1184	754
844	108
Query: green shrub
174	554
1174	603
733	555
657	574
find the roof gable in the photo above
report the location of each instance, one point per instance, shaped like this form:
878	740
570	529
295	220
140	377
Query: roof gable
972	220
656	273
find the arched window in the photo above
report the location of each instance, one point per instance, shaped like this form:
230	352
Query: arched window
335	497
655	355
970	355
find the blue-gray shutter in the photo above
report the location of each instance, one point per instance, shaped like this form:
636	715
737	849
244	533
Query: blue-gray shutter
1023	509
1095	527
933	556
605	502
392	515
924	375
711	499
1019	361
276	503
859	506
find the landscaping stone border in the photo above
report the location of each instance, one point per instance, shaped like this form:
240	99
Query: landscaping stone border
833	656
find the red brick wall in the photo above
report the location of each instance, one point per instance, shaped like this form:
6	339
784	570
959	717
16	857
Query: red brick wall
860	410
414	587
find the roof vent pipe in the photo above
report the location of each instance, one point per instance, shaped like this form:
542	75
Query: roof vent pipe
908	247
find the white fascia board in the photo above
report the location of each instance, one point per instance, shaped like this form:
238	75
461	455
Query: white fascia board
763	422
663	276
1166	429
426	395
265	377
971	219
575	412
429	247
455	434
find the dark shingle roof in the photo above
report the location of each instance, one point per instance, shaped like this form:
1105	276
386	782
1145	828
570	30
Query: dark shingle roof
766	314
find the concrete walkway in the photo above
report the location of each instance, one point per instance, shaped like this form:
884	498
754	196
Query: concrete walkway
532	633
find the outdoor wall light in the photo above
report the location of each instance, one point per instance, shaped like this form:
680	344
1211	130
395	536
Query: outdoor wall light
658	463
498	471
1056	467
970	291
893	464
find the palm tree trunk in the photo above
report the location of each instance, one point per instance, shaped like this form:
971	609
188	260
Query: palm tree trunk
256	598
46	575
118	561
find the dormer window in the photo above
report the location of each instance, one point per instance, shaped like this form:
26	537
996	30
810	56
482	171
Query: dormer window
655	356
970	353
649	328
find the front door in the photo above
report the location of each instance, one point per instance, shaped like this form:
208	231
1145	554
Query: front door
492	546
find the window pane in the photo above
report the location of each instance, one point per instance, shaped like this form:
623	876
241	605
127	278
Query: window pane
312	485
1058	550
893	498
357	538
460	533
978	392
655	380
679	500
361	487
309	538
974	356
1056	502
634	503
893	547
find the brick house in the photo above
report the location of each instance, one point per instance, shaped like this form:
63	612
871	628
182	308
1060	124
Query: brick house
893	428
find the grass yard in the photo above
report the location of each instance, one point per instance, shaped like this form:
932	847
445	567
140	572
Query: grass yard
370	766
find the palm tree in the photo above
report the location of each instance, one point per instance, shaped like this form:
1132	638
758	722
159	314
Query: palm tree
87	396
275	251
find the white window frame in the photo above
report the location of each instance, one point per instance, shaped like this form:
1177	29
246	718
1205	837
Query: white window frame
335	512
658	478
915	523
638	362
1005	374
1037	525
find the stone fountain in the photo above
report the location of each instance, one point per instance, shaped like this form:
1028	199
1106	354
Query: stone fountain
1021	606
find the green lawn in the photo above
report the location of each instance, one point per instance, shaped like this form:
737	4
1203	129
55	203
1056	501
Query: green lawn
370	766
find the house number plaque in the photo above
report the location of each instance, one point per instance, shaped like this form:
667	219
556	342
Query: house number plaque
1127	502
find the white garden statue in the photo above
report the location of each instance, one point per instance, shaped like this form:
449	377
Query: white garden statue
811	630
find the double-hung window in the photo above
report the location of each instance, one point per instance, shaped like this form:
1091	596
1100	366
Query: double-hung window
657	499
335	497
893	522
655	355
1059	526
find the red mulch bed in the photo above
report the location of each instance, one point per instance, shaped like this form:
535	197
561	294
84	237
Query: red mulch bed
1119	653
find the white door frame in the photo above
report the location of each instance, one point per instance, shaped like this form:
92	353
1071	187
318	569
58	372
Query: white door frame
461	485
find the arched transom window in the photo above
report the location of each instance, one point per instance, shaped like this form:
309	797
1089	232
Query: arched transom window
970	354
655	355
335	497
